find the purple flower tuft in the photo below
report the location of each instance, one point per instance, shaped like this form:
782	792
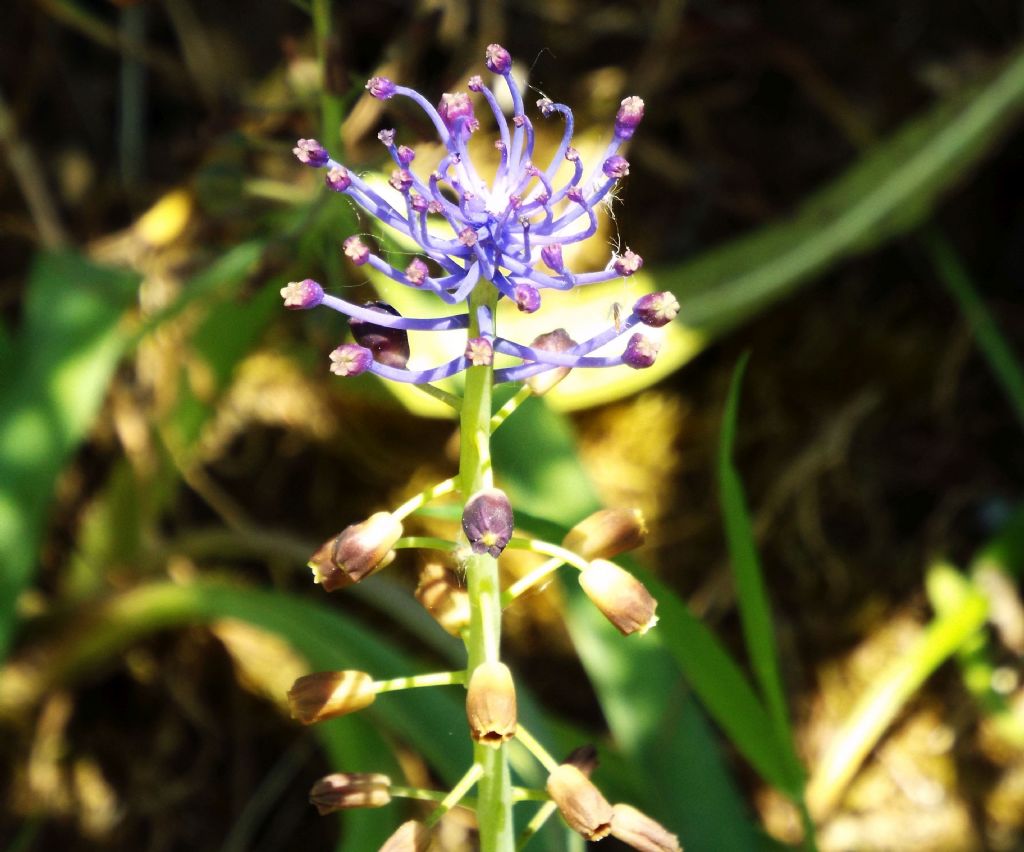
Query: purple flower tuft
488	522
416	272
628	263
656	309
350	360
616	167
527	298
630	114
497	59
456	107
390	346
401	179
406	154
640	352
302	295
380	87
311	153
356	251
338	179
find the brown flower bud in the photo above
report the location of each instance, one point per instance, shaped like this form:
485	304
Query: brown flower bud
638	830
344	790
326	695
444	598
580	802
491	704
359	550
607	533
411	836
622	598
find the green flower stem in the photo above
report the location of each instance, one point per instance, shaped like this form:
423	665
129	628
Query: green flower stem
414	681
528	581
457	794
417	793
530	743
437	393
548	549
428	542
502	414
528	794
483	639
536	824
424	497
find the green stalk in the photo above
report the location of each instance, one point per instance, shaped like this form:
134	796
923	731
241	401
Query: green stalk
494	803
331	110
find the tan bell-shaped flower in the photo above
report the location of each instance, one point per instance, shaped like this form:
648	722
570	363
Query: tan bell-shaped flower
620	596
607	533
345	790
581	804
327	695
491	704
411	836
638	830
356	552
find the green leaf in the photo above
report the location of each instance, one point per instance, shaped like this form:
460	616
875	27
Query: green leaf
755	613
59	366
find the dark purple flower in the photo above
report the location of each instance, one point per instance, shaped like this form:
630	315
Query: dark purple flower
640	352
630	114
497	59
390	346
309	152
338	179
380	87
616	167
350	360
488	522
656	309
302	295
628	263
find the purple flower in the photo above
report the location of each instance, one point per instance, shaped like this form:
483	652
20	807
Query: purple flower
511	232
389	345
488	522
302	295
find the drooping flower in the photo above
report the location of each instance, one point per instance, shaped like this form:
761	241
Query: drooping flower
510	231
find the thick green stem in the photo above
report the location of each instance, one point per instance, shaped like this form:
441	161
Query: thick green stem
483	643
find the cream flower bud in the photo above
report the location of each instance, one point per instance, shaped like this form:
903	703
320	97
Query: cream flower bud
357	551
444	598
620	596
607	533
580	802
327	695
344	790
491	704
411	836
638	830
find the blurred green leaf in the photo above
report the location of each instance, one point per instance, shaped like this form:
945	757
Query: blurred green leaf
57	371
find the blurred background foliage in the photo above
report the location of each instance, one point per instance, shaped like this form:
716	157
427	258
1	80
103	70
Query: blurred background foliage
833	189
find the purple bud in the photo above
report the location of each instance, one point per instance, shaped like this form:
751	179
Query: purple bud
468	237
455	106
656	309
406	154
488	522
479	352
616	166
519	120
418	202
350	360
631	112
380	87
545	105
387	137
628	263
435	207
356	251
390	346
640	352
552	256
338	179
497	59
301	295
401	180
527	298
475	84
554	341
571	154
311	153
416	272
575	194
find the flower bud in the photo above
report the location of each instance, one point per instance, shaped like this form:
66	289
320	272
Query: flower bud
309	152
641	352
350	359
527	297
620	596
359	550
302	295
327	695
344	790
580	802
638	830
554	341
406	154
488	522
630	114
479	351
497	59
380	87
628	263
491	704
411	836
338	179
387	137
390	346
444	598
416	272
616	167
656	309
401	180
552	255
356	250
455	106
607	533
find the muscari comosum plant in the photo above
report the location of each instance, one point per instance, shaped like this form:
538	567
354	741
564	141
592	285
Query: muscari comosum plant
484	247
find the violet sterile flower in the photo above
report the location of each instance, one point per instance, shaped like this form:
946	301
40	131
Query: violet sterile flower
510	232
